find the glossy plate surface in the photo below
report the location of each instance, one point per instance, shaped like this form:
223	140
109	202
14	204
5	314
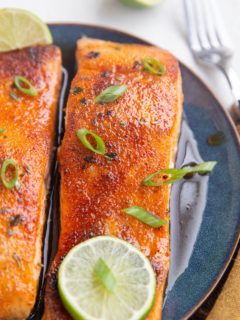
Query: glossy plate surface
209	239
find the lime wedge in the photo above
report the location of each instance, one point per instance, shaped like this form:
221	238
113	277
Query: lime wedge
20	29
141	3
124	270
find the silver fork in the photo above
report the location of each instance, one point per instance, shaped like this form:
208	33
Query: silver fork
209	42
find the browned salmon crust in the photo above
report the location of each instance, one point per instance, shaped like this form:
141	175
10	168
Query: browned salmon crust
29	125
140	131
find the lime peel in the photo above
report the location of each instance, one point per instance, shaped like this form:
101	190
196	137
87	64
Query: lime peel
141	3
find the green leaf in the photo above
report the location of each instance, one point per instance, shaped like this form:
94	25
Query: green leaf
105	275
111	94
168	176
145	216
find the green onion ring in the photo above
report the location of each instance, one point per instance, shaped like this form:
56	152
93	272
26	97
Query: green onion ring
82	136
177	174
9	184
154	66
31	90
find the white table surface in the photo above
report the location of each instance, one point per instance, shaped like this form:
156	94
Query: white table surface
163	25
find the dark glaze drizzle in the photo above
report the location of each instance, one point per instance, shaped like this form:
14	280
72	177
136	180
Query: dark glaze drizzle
216	139
187	204
52	222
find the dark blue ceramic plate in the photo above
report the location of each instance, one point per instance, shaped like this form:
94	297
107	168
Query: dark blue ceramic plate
205	212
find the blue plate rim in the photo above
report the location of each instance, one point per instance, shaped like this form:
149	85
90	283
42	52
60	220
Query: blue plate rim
225	113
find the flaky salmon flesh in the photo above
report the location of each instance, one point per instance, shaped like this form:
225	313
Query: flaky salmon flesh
140	130
27	135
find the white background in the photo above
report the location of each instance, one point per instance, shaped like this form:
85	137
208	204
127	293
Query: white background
163	25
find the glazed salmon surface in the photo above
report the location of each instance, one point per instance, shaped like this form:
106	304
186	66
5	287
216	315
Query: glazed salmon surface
140	130
29	124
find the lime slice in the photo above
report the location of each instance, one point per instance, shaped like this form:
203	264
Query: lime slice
141	3
20	29
126	270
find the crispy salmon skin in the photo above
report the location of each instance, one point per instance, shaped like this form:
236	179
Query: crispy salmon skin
140	130
29	124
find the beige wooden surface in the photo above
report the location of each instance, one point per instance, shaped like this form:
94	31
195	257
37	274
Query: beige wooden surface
227	306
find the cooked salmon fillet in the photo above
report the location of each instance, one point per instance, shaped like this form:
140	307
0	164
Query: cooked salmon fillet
140	130
29	124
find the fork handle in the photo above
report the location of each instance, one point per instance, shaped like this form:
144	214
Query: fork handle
233	81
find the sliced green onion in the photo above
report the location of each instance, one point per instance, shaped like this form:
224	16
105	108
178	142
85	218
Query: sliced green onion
111	94
154	66
13	96
169	176
18	260
82	136
145	216
105	275
2	130
9	163
29	89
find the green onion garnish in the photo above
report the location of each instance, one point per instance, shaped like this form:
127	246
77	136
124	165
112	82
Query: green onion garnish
29	89
12	183
13	96
111	94
105	275
145	216
18	260
2	130
168	176
154	66
82	136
